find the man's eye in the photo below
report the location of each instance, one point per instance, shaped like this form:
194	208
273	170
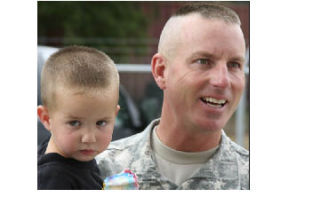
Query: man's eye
203	61
74	123
234	65
101	123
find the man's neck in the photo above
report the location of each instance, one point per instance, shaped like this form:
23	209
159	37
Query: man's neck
186	139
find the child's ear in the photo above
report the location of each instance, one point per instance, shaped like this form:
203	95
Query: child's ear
43	115
117	110
158	67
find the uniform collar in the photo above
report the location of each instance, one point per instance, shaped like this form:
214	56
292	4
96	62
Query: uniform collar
222	168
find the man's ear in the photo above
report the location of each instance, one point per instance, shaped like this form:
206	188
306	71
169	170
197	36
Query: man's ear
44	117
158	67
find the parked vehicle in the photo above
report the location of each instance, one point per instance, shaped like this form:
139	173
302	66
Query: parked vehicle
128	121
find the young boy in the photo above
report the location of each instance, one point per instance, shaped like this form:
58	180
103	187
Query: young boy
79	92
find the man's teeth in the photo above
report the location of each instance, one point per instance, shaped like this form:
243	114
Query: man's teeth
213	102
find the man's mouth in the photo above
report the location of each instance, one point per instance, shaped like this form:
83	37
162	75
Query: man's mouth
218	103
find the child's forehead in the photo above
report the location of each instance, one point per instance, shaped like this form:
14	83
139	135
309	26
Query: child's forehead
63	92
83	91
77	100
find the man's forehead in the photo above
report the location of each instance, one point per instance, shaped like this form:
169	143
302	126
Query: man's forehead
184	31
203	35
194	24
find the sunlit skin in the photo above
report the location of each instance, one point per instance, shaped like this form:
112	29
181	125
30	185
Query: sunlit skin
208	61
82	123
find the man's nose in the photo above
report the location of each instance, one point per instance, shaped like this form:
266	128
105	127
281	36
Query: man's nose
219	76
88	136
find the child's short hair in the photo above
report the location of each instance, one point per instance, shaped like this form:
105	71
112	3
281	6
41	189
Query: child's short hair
77	67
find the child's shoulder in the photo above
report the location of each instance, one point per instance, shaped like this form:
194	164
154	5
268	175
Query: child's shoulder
52	175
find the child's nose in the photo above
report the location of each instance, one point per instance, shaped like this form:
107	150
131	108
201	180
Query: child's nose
88	137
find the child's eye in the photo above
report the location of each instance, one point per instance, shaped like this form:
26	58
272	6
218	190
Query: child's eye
74	123
101	123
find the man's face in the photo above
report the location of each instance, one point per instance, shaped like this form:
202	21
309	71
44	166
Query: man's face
205	78
82	123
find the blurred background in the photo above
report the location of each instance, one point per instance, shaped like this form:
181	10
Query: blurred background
128	32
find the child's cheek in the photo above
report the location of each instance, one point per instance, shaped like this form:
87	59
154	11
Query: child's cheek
71	142
105	139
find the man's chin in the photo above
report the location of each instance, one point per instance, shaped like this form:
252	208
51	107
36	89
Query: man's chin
210	125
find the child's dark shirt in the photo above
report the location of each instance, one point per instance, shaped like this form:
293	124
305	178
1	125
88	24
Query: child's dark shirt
57	172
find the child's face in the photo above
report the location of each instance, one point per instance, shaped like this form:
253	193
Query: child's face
82	123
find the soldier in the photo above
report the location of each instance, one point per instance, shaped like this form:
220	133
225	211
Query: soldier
199	67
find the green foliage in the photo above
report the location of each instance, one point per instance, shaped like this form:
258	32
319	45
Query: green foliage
91	20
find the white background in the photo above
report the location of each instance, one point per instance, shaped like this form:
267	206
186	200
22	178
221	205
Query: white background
284	122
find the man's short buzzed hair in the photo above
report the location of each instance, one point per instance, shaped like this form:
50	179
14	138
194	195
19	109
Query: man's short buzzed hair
77	67
210	10
170	32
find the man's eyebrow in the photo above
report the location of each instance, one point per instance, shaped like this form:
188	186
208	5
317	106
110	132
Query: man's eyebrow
201	54
205	54
198	54
238	58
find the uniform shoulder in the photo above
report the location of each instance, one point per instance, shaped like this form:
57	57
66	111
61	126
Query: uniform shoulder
239	149
124	152
134	141
124	143
235	148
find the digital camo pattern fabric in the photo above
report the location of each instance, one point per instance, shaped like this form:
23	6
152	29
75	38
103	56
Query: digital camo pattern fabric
227	169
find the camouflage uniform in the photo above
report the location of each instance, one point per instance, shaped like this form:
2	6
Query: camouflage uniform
227	169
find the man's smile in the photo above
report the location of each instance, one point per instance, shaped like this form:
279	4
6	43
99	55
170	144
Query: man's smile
218	103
